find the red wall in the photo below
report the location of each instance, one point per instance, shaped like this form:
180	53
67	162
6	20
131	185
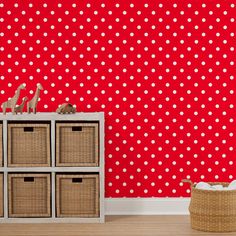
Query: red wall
162	71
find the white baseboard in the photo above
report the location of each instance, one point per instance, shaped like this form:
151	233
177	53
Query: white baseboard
147	206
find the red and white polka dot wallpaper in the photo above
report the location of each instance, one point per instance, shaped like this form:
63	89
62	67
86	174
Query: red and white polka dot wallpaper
162	71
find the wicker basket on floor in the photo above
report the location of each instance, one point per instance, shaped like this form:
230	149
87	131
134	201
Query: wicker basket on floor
213	210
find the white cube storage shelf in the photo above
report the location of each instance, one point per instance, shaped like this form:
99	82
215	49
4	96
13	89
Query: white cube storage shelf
64	188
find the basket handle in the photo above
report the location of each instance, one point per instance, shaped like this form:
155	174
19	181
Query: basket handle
77	180
187	181
77	128
28	179
28	129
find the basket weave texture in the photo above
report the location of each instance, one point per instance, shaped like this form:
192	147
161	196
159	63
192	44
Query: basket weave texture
77	144
1	145
213	210
77	195
1	195
29	195
28	145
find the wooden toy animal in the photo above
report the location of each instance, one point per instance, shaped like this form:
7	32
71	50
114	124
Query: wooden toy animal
11	103
66	108
21	106
32	104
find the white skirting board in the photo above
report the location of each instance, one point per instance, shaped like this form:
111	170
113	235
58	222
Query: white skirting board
147	206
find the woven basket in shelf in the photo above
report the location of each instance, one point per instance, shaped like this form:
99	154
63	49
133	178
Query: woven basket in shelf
28	145
1	195
77	144
1	146
77	195
29	195
213	210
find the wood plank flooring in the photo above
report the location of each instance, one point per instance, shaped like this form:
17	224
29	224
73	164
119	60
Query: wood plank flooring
114	226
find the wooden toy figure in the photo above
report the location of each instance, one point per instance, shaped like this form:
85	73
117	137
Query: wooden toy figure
21	106
11	103
32	104
66	108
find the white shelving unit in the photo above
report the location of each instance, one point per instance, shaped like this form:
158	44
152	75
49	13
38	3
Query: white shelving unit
53	118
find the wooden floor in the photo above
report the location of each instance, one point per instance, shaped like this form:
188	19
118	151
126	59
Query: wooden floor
114	226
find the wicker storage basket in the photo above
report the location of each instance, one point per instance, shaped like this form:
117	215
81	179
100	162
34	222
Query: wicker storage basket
1	195
28	145
213	210
77	195
1	145
29	195
77	144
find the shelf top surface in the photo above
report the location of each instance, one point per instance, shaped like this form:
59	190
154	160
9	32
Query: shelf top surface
47	116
